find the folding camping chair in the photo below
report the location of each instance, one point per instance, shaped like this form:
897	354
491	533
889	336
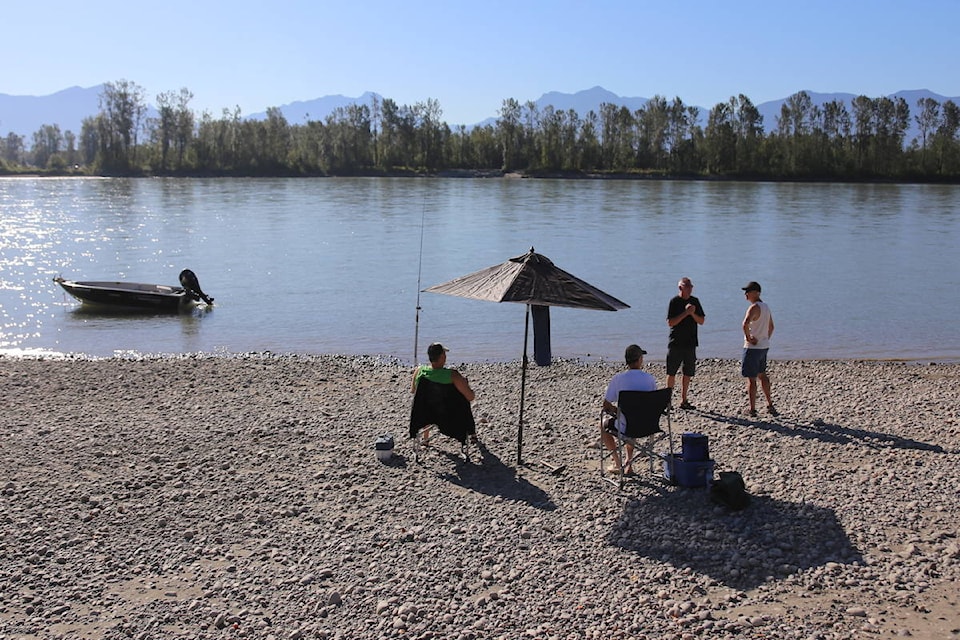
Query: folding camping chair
442	406
641	410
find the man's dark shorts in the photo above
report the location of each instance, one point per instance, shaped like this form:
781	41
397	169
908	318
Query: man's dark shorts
685	356
754	362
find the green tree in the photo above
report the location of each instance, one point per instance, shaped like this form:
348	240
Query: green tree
720	138
71	156
173	129
350	139
185	124
47	143
13	149
945	142
570	145
682	137
891	118
654	126
590	151
749	132
510	133
836	128
618	136
89	140
122	109
863	133
433	133
555	140
165	129
927	119
388	134
794	128
483	149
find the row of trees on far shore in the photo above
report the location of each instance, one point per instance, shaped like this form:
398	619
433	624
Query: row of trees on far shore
866	141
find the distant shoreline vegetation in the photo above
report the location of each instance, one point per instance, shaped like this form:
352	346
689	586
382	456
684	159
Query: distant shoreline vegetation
661	140
483	174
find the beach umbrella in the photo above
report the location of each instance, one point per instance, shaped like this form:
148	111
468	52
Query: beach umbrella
530	279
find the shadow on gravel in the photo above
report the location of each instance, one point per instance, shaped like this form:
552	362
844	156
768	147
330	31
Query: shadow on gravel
770	539
397	460
825	432
489	475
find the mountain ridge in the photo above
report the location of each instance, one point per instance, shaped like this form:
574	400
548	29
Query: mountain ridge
24	115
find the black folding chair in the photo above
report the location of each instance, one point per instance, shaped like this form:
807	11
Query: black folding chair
443	406
641	411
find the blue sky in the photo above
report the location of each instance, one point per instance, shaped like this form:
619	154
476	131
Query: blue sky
470	56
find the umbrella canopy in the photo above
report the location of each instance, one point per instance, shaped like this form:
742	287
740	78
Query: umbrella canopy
531	279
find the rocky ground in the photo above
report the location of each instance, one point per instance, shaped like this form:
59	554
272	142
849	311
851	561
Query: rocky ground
240	497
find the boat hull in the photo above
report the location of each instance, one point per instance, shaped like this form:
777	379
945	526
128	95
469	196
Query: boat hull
132	296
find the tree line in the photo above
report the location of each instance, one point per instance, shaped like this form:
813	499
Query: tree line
664	138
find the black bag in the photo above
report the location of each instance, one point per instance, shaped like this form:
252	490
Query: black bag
730	491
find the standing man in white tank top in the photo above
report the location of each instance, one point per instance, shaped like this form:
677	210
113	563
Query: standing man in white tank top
757	329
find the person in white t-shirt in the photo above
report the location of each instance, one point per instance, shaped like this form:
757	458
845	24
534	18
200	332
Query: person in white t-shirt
633	379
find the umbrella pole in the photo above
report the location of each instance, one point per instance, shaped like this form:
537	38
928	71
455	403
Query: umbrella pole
523	386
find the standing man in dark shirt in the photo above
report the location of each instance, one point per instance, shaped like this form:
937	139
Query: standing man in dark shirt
683	316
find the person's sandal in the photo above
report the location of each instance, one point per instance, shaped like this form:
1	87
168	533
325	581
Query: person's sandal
772	411
686	406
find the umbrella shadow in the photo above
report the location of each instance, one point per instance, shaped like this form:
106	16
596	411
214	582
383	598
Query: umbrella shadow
828	432
740	549
486	473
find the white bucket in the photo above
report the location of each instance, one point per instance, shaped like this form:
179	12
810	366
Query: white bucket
384	447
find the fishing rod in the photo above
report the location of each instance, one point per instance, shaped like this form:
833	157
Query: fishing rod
416	329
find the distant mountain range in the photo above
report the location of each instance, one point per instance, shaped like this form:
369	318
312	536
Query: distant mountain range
24	115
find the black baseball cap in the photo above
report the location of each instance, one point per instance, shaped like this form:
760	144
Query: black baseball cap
633	353
435	350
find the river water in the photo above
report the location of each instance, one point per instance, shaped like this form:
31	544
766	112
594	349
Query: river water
334	265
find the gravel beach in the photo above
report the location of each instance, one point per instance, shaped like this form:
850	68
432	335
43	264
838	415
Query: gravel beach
240	497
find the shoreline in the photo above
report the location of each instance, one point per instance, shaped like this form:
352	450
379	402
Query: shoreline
44	354
491	174
212	496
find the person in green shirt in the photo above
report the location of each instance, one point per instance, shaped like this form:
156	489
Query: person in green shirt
437	372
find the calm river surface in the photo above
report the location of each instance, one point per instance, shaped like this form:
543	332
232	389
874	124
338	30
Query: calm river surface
334	265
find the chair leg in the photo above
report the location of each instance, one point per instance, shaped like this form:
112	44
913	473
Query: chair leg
606	454
622	454
618	454
602	448
619	457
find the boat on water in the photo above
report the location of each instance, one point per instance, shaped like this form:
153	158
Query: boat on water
137	296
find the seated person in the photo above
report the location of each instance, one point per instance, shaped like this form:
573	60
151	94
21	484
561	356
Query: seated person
633	379
437	372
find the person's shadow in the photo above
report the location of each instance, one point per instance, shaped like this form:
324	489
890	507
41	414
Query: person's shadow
486	473
827	432
741	549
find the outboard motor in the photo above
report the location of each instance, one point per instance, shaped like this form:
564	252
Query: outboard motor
188	280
